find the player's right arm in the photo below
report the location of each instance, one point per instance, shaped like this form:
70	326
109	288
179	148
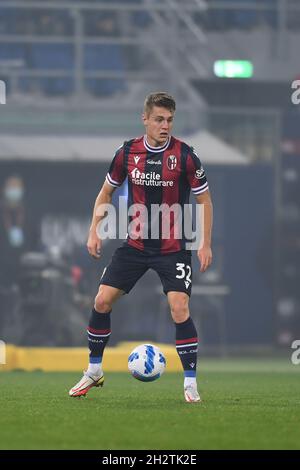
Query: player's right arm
94	243
114	179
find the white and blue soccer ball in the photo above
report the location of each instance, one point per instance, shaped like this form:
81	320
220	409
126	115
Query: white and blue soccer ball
146	362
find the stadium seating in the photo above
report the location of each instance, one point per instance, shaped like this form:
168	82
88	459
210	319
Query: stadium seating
100	58
53	57
52	23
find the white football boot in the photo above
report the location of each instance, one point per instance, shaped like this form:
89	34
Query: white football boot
88	381
191	394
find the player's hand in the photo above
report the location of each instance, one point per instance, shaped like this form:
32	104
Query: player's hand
94	244
205	257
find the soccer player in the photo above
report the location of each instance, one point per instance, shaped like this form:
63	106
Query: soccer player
161	170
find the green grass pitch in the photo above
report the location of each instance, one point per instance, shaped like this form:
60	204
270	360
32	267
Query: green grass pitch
246	404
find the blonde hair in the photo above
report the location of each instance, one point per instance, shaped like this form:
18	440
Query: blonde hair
160	99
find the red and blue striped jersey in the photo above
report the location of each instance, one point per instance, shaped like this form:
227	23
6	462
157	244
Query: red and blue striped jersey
158	176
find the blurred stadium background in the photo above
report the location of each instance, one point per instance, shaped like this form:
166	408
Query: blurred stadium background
76	74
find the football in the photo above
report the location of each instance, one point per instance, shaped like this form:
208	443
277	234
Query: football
146	363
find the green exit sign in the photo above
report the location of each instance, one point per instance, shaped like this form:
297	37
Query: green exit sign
233	68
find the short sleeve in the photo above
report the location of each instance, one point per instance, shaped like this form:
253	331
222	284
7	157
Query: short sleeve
116	173
195	173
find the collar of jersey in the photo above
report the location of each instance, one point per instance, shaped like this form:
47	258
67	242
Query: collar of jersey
156	149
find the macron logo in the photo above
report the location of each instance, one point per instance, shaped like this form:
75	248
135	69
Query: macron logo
136	159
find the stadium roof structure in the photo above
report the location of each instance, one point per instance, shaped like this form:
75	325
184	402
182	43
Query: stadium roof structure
211	149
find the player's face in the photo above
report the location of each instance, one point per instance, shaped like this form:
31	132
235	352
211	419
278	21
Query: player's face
158	124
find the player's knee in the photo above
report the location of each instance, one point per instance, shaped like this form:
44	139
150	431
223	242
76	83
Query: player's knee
180	316
179	309
102	305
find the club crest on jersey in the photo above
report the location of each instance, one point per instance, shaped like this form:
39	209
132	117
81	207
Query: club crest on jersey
172	162
136	159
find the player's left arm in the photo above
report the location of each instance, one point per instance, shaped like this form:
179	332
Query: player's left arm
199	185
204	252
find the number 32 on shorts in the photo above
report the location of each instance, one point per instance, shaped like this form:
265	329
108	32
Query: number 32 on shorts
185	272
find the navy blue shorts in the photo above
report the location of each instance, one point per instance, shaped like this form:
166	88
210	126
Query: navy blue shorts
129	264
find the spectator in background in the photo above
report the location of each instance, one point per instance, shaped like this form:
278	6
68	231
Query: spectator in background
45	24
101	24
16	233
